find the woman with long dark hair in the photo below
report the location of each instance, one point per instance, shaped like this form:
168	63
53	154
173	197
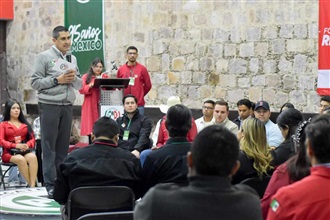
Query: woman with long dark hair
90	107
17	140
287	121
294	169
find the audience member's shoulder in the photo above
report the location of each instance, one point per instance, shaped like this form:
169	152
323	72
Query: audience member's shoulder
245	190
166	187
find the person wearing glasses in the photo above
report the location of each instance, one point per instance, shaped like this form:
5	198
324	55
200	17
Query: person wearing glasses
139	84
207	118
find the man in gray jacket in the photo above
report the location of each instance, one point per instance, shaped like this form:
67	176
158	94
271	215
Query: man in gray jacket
212	162
56	96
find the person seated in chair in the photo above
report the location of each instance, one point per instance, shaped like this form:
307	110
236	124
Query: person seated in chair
17	140
134	128
100	164
168	163
210	195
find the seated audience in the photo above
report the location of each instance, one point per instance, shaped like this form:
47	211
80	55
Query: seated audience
220	114
99	164
254	155
160	135
308	198
262	112
207	118
209	195
324	102
326	110
244	108
286	106
296	168
287	121
17	140
134	129
168	163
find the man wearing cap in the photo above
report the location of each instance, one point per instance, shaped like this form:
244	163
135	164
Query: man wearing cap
220	114
273	133
207	118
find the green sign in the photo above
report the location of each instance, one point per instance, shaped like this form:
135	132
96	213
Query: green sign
84	19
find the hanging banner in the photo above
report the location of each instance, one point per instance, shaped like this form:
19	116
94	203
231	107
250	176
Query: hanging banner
84	19
323	82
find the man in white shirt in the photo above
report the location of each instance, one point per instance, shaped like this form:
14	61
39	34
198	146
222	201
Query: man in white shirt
220	114
273	133
207	118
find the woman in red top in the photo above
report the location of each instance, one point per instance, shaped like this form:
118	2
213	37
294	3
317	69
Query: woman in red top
16	133
90	108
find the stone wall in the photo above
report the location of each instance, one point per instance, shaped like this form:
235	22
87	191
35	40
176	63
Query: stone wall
196	49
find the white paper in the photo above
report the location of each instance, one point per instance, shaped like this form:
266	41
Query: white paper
63	66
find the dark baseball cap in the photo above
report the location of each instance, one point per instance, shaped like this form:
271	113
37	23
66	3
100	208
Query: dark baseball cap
263	104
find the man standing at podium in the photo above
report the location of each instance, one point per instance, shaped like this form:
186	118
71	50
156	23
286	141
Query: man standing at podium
139	84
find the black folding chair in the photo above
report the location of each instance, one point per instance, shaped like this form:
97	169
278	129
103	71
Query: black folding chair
97	199
4	172
258	184
128	215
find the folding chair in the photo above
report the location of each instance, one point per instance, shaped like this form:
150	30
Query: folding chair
128	215
4	172
258	184
97	199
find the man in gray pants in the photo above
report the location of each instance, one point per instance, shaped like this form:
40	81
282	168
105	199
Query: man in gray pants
55	99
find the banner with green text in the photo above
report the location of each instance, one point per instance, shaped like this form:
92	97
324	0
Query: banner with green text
84	19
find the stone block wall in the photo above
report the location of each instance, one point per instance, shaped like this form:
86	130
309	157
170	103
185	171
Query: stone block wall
194	49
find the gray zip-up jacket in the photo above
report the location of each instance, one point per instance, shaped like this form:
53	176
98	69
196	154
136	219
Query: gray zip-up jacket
43	75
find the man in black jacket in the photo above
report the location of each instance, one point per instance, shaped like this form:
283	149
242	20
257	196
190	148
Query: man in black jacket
209	195
134	128
99	164
168	164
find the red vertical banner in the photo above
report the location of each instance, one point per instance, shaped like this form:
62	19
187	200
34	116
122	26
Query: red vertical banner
6	9
323	82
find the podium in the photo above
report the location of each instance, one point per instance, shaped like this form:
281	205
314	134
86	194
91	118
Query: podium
111	96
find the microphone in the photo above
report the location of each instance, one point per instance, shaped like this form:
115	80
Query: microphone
68	56
114	66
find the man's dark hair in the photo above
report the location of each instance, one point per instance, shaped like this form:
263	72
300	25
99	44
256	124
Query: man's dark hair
105	126
325	98
209	102
221	102
57	30
286	105
289	118
130	96
245	102
178	120
132	48
215	151
317	133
